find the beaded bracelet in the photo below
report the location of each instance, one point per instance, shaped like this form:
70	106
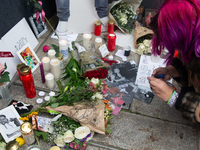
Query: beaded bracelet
172	99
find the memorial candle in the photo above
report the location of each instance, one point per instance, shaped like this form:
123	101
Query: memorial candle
46	63
51	53
111	42
49	80
42	72
97	28
55	67
87	40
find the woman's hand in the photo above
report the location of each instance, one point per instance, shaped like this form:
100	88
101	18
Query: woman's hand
160	88
163	71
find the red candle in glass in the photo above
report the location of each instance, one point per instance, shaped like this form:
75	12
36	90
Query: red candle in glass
111	42
18	67
27	80
111	26
97	28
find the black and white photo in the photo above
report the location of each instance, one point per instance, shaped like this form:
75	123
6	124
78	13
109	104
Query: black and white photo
38	26
10	123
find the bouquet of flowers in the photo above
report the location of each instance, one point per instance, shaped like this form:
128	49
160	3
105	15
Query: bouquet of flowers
4	75
123	12
144	47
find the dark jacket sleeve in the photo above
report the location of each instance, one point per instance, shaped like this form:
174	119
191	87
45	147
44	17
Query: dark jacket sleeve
188	99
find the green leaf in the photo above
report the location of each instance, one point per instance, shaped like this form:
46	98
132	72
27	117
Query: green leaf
72	74
54	105
56	48
5	77
43	134
38	7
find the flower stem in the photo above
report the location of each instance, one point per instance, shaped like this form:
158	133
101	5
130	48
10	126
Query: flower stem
51	27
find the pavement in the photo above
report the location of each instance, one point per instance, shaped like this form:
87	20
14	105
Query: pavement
154	126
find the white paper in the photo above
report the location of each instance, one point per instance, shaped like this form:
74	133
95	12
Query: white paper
145	69
70	37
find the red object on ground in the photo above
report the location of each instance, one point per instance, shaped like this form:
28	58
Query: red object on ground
109	61
97	28
98	73
111	26
111	42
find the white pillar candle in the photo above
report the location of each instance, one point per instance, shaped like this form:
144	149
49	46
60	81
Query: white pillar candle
154	58
49	78
46	63
87	40
63	46
98	42
51	53
55	67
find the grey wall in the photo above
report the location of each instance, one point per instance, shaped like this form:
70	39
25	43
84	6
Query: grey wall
12	11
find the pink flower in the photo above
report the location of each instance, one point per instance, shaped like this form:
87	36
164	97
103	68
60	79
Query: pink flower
45	48
1	68
105	89
93	87
83	147
74	145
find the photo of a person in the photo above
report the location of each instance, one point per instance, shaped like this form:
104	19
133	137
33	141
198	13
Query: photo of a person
21	107
149	13
10	126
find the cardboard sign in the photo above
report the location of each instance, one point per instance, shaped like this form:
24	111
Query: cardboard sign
13	41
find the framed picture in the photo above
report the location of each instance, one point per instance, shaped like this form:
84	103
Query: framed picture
39	27
139	14
149	13
10	123
28	56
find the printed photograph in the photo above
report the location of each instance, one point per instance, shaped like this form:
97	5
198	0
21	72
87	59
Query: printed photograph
9	123
149	13
28	56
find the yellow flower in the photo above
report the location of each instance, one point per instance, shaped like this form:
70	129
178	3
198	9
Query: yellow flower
28	116
20	140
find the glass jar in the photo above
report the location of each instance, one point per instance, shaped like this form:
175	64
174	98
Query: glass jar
4	91
111	26
34	147
27	80
97	28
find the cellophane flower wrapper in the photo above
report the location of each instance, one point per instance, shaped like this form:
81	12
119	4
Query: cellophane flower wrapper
124	18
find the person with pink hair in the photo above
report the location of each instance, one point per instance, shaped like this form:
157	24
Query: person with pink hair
177	26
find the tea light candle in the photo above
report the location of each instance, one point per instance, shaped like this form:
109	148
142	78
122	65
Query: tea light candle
87	40
41	93
49	80
47	98
52	93
39	100
110	57
51	53
46	63
98	42
34	147
55	67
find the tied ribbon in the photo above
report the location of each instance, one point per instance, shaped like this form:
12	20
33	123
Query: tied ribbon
109	61
42	13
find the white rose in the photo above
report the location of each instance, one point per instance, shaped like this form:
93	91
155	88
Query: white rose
98	95
141	46
93	97
68	136
60	141
82	132
74	69
95	80
92	134
146	42
123	20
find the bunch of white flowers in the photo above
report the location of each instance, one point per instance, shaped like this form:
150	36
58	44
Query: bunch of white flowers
124	15
144	47
2	146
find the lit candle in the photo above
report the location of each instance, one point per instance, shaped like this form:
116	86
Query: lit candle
50	80
27	132
98	42
52	93
51	53
55	67
39	100
87	40
46	63
111	42
63	46
42	72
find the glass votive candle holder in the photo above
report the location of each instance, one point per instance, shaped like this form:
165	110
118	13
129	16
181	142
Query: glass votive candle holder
34	147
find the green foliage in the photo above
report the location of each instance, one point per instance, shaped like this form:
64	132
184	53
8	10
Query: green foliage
35	5
44	135
4	76
56	48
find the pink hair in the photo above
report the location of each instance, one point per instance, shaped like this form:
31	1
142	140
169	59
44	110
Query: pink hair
177	26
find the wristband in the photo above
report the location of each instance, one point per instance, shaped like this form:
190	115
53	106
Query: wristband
172	99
